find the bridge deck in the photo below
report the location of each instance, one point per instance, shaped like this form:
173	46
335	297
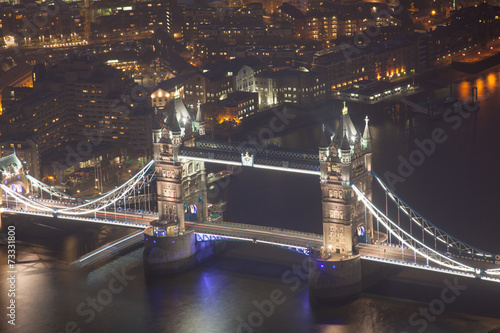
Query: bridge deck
391	254
270	235
267	158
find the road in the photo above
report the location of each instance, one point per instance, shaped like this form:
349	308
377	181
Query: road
259	233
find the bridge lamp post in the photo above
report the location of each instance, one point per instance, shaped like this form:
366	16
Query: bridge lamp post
149	201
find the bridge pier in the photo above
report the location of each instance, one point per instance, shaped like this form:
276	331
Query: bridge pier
332	281
167	252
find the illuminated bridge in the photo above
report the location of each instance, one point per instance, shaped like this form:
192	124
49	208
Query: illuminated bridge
353	227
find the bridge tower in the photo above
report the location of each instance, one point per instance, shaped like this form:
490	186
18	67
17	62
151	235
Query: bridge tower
347	158
335	272
181	185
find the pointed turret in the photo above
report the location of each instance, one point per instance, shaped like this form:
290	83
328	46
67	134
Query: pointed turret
345	110
366	144
345	128
172	120
323	155
156	127
345	159
323	142
188	129
367	137
175	128
345	143
199	115
156	122
199	123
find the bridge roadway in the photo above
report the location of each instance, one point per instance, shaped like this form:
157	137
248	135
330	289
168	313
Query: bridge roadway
126	218
259	234
404	256
142	219
386	253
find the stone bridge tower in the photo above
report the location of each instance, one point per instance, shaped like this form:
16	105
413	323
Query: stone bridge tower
182	190
346	159
182	194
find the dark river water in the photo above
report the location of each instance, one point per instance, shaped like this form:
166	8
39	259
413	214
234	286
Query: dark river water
455	188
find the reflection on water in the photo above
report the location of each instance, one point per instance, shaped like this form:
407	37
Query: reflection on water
491	81
486	84
223	295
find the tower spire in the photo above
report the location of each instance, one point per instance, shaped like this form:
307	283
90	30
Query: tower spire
367	137
199	115
199	122
176	92
323	155
344	109
323	143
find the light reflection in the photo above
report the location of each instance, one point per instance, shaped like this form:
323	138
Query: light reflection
486	85
491	82
464	90
480	87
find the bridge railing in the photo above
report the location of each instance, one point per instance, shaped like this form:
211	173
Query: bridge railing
264	228
267	160
260	238
272	151
419	266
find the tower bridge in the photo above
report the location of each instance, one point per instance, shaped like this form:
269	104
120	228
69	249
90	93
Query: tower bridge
183	232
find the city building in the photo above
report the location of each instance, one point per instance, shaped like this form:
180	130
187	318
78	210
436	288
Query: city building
370	92
80	105
134	18
342	70
209	86
243	71
238	105
332	20
38	23
394	58
294	85
164	92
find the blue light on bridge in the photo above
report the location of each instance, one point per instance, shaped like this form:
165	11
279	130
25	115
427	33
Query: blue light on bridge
173	242
154	241
322	266
361	230
333	266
